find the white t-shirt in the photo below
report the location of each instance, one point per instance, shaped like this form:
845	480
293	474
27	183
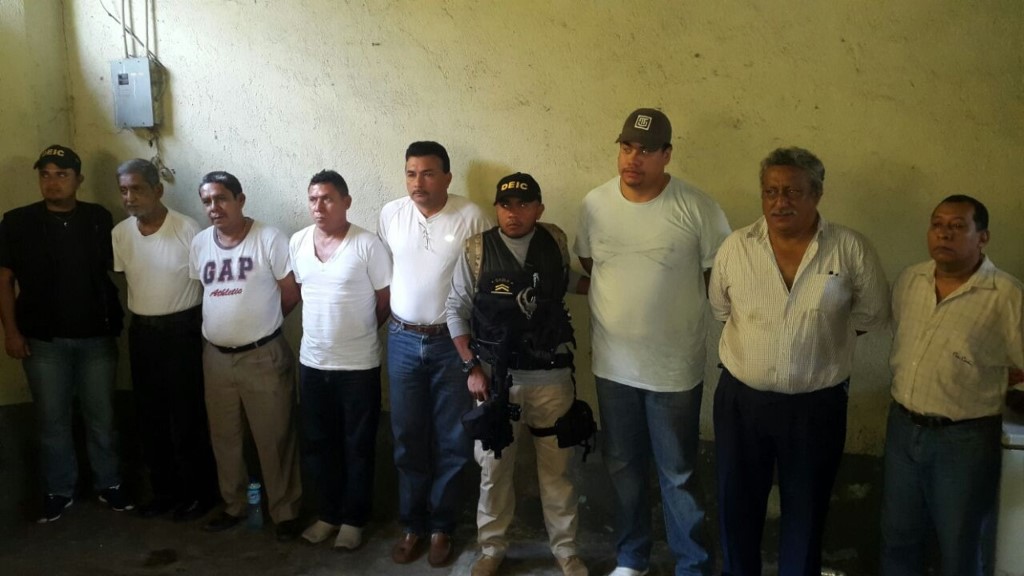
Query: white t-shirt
156	266
425	251
339	321
647	294
241	298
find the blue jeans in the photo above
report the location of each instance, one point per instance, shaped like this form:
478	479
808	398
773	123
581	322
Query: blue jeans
942	481
638	424
428	398
57	371
340	412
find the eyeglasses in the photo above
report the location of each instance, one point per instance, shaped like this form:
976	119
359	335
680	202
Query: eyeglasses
792	194
642	151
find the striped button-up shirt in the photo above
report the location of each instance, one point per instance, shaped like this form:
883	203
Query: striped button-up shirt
799	339
951	358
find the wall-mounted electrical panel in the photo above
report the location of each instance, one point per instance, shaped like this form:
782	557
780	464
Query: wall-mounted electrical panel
138	85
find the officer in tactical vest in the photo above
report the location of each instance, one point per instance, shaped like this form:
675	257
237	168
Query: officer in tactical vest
506	309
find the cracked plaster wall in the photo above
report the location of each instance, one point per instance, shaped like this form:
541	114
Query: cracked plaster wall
904	102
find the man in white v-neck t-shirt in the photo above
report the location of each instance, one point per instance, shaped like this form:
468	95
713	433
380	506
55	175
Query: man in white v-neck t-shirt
343	272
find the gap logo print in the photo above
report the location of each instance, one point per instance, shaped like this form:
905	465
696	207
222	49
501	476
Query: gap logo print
225	271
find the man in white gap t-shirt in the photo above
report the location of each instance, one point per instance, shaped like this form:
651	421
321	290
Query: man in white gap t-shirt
649	239
425	233
165	345
343	272
248	288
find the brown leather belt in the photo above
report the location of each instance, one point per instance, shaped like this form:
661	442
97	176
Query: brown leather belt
427	329
249	346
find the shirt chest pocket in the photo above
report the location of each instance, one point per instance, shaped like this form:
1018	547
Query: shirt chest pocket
826	293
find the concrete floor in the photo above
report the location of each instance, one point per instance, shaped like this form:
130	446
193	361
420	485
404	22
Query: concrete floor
92	540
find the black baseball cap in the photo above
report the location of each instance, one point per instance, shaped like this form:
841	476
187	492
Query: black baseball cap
519	185
647	127
62	156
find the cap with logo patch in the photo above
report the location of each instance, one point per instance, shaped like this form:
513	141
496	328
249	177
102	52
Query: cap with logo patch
647	127
518	185
62	156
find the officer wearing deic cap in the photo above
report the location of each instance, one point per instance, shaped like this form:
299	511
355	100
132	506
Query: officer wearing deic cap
507	294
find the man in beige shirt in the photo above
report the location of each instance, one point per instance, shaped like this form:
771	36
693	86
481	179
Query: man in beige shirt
959	332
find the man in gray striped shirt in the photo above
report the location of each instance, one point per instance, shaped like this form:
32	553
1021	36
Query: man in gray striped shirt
794	292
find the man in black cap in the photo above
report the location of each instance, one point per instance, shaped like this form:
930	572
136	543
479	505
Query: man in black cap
649	240
62	326
507	295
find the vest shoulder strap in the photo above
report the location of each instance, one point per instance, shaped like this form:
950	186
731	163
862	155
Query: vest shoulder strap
475	256
560	239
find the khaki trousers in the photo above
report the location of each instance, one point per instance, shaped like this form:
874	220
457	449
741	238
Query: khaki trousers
541	406
257	386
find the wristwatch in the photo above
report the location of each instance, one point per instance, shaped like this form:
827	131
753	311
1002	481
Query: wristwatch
467	365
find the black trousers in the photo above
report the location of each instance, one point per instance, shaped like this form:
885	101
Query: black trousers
755	431
340	414
167	377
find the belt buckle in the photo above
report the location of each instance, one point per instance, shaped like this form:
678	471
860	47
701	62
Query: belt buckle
426	329
926	421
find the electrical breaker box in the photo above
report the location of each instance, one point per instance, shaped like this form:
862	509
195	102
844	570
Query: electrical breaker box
137	84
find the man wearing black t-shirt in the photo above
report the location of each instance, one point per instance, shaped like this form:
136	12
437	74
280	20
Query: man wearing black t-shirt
62	326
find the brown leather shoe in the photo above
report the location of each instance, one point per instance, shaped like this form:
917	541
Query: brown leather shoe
485	566
408	549
440	553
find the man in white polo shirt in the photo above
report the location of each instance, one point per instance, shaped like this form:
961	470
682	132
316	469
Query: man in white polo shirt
343	272
248	288
425	233
165	345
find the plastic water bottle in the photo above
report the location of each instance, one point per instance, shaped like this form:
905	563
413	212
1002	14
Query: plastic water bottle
255	519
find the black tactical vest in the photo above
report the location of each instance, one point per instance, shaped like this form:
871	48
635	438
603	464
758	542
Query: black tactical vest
518	311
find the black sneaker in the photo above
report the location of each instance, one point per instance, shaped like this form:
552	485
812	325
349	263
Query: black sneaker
288	530
116	499
53	506
158	506
221	522
192	510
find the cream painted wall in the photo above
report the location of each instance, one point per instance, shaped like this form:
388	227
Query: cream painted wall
905	103
34	113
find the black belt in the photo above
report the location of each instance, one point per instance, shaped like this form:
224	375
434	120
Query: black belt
249	346
556	361
925	421
189	315
428	329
